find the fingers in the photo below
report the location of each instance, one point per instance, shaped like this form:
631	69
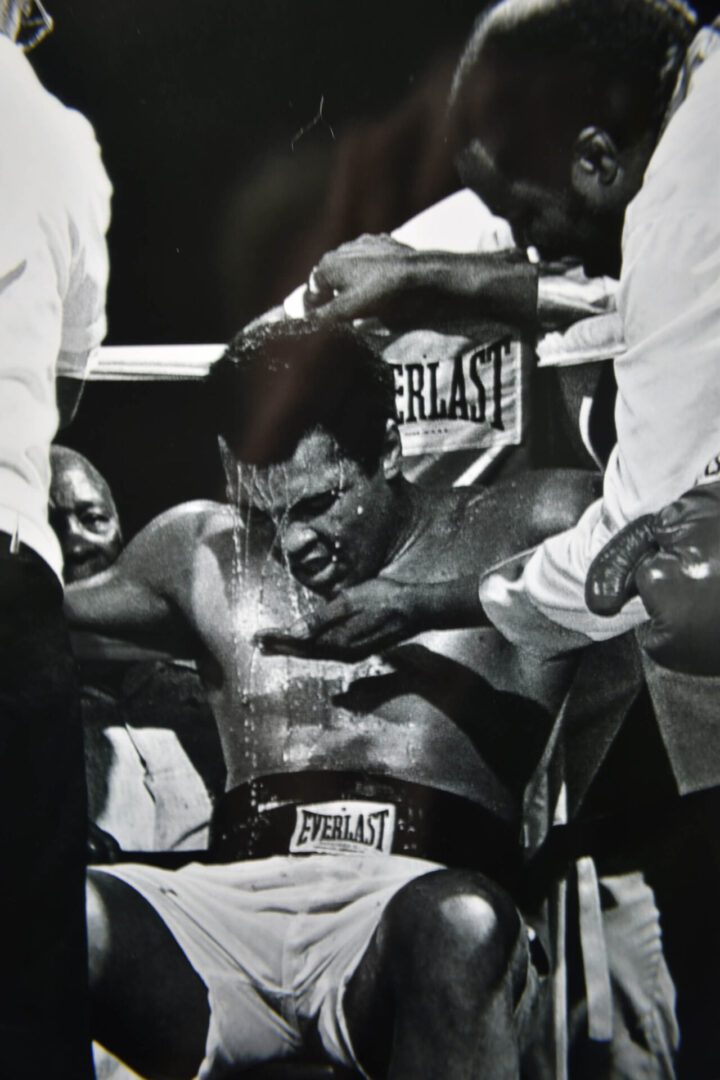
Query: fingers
330	294
353	303
357	279
350	627
317	292
611	579
303	636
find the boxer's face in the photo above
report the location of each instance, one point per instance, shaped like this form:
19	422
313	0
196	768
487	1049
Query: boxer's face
85	521
331	523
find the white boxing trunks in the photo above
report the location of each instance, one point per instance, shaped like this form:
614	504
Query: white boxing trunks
275	941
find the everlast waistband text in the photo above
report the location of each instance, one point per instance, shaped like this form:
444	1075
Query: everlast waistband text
343	827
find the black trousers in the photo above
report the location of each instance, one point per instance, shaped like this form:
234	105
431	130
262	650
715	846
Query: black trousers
43	948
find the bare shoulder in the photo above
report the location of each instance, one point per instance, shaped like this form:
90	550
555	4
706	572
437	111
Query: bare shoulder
188	520
165	549
522	511
559	498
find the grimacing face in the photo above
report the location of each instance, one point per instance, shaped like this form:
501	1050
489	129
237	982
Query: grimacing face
330	523
85	521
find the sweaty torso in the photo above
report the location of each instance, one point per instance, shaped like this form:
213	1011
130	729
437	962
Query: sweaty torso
457	710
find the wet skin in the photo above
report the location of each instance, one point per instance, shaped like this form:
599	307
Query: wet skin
226	574
204	580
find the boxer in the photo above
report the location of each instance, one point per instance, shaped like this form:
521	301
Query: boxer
367	895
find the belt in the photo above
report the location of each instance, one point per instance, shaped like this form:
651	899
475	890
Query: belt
27	579
10	544
338	812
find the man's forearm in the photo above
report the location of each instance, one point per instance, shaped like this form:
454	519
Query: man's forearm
501	286
450	605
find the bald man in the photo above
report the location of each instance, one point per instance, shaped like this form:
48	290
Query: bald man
83	515
591	129
151	749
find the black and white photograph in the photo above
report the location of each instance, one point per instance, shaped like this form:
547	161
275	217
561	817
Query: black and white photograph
360	540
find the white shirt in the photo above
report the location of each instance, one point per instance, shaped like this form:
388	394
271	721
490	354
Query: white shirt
668	404
54	212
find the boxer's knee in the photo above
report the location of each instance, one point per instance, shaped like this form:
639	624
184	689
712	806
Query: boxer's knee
452	926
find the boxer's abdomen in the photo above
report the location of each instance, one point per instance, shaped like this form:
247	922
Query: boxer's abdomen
419	715
441	710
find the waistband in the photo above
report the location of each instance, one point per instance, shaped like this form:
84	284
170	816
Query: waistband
26	532
27	579
331	812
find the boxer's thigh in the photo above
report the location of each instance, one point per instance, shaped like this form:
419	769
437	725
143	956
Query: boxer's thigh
149	1006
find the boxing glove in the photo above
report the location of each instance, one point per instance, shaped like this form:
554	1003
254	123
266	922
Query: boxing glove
672	559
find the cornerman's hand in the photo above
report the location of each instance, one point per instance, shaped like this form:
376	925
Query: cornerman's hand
672	559
362	620
360	278
377	276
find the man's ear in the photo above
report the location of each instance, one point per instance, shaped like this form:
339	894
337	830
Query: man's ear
231	471
392	451
595	169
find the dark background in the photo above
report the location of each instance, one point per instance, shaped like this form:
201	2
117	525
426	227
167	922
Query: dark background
227	193
222	205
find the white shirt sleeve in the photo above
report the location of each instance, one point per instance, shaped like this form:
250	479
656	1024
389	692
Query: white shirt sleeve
668	423
84	325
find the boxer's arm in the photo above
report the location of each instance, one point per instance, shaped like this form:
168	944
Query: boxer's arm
134	599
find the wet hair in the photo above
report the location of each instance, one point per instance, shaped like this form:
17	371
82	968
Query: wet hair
536	72
281	381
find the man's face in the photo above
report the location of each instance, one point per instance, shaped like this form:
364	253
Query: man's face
332	524
85	521
556	222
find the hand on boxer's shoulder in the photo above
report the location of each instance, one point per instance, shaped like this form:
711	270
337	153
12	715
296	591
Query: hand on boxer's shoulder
362	620
672	559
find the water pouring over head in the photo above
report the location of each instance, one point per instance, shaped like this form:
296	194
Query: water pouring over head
309	414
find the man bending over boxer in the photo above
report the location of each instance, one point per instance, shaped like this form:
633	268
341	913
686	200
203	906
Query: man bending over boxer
395	943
